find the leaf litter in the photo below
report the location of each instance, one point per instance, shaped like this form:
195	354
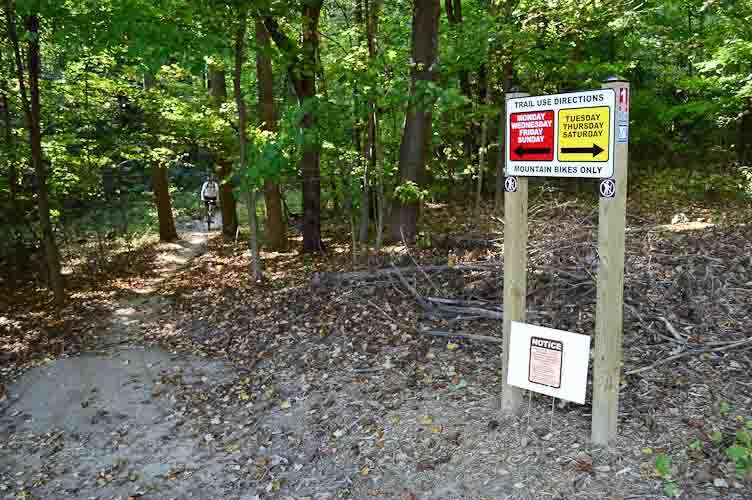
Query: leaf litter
337	393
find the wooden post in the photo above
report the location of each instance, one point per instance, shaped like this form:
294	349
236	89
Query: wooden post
515	274
610	303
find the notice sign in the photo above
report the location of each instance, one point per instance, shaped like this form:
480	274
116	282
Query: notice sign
548	361
532	135
562	135
545	362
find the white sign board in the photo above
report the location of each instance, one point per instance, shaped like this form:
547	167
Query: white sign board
561	135
548	361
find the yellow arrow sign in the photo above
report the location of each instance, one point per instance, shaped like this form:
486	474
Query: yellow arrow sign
583	134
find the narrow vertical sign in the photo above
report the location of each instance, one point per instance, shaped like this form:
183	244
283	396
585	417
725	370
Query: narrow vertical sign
622	127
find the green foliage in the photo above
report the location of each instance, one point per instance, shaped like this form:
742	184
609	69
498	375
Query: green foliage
688	63
409	192
662	465
725	408
741	451
663	469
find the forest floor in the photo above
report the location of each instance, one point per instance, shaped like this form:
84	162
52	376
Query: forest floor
193	382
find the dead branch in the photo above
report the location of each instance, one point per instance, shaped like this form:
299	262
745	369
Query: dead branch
436	333
334	279
673	331
462	335
474	311
456	302
687	353
412	290
415	262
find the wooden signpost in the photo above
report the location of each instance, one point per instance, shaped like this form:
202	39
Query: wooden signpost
580	134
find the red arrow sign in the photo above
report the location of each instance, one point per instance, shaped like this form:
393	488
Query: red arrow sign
531	136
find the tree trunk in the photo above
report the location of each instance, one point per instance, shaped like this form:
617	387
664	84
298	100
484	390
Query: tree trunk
311	152
484	100
40	169
365	198
276	232
373	124
255	269
15	212
454	16
363	23
32	110
161	187
371	26
508	72
218	92
302	72
744	136
416	137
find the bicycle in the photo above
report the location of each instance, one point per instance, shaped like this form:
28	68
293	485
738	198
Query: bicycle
210	207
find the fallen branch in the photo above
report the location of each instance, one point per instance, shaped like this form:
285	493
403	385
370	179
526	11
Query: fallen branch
336	279
367	370
457	302
415	262
479	338
394	321
471	311
436	333
673	331
687	353
425	305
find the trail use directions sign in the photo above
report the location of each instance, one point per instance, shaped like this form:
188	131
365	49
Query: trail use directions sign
561	135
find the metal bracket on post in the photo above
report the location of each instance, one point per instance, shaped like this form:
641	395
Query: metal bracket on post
610	303
515	270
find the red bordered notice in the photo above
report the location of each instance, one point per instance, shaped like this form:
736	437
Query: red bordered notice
545	362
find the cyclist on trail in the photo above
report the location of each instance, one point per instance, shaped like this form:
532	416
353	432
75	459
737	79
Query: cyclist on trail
209	192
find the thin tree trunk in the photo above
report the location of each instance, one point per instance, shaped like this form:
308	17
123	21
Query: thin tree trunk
380	199
347	173
365	200
481	168
376	146
363	22
484	99
32	111
508	71
414	150
255	269
15	213
454	16
161	186
351	195
218	92
276	231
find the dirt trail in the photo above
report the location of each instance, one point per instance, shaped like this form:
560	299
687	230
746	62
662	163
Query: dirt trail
108	424
128	421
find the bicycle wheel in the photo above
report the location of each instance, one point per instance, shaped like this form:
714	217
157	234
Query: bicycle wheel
208	217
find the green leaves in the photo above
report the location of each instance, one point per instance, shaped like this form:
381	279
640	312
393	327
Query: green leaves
663	469
741	452
409	192
662	465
